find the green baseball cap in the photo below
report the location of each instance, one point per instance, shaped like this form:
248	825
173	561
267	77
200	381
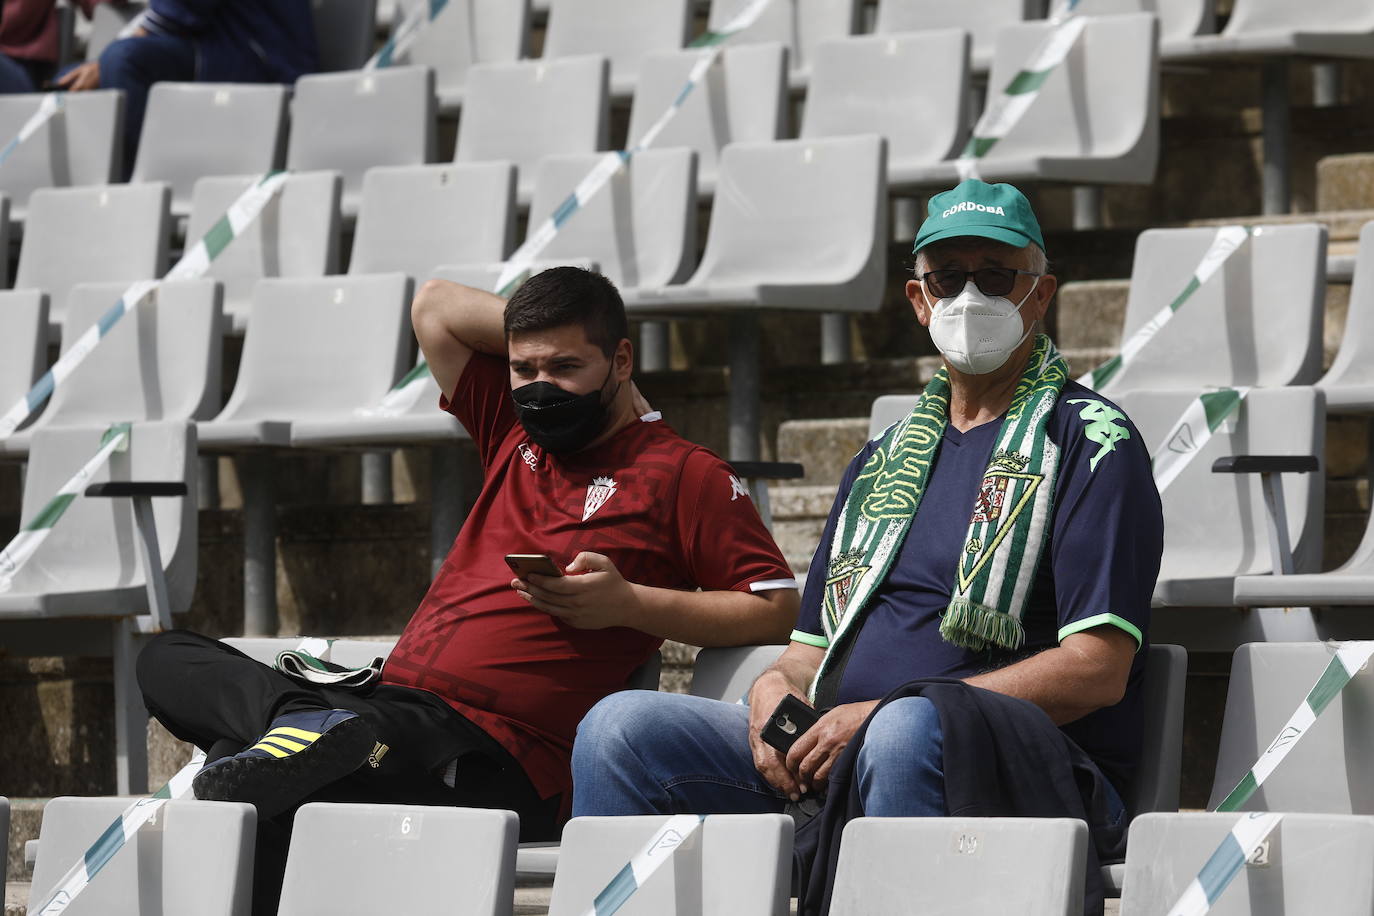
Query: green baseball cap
993	211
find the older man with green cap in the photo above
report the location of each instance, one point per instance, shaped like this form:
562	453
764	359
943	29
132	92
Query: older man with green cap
974	621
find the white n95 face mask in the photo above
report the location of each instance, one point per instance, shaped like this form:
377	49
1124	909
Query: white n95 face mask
976	332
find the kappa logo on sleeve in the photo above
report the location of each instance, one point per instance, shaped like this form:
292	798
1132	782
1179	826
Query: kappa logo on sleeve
1102	427
737	489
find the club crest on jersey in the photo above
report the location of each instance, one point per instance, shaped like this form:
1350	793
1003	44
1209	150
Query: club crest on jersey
600	490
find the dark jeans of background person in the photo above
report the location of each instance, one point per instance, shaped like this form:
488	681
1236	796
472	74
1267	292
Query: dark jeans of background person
222	701
134	64
19	75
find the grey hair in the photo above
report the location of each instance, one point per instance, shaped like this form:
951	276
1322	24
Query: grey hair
1039	263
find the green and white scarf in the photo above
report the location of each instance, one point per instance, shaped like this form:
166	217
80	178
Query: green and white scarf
1006	531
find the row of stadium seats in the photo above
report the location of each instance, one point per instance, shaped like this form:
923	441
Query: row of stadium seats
205	850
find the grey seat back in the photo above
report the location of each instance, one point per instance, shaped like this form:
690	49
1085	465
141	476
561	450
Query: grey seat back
888	409
196	129
912	88
466	33
623	32
961	865
117	233
734	863
1349	383
295	235
1257	321
344	32
1327	771
1267	18
79	146
1179	20
351	122
982	18
1309	864
107	20
800	25
416	218
1157	777
197	857
726	674
742	98
23	342
639	230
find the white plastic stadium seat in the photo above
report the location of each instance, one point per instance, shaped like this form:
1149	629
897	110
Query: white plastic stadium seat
624	32
79	235
1327	772
983	18
961	865
734	863
4	831
161	362
79	146
196	858
742	98
23	342
351	122
344	32
726	674
1179	20
1331	28
562	107
640	230
800	25
1349	384
106	22
468	32
912	88
5	238
296	235
1257	321
197	129
406	859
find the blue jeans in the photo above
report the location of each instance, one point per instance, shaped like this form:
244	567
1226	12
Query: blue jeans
640	752
19	75
134	64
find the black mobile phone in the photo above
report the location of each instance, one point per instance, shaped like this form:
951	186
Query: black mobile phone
522	564
789	721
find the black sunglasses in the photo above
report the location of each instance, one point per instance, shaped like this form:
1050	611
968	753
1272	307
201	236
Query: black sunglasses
993	281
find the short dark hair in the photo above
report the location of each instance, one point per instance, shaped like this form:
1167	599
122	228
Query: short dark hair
564	296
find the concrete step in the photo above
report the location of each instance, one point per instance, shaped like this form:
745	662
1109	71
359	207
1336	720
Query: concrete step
1346	182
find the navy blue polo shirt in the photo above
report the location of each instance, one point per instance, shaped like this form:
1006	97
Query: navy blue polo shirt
1097	569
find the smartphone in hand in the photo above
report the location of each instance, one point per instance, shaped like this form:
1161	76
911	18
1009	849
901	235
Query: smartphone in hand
522	564
788	722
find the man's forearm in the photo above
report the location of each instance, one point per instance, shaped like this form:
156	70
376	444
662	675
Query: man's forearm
1071	680
715	618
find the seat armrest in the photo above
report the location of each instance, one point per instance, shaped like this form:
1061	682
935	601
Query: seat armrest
768	470
1266	464
118	489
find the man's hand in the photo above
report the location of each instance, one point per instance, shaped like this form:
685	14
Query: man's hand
80	78
764	697
815	752
592	596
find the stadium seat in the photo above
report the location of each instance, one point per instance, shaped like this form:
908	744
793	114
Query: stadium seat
742	98
624	33
1179	20
344	32
1331	28
982	18
734	863
117	233
78	147
296	235
796	225
196	857
912	88
5	239
162	362
1309	864
107	20
726	674
800	25
401	859
23	342
87	590
961	865
467	33
1327	772
1257	321
640	230
197	129
351	122
1349	384
5	832
563	109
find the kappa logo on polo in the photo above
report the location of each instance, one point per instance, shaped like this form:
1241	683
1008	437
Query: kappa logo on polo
527	454
600	490
967	205
737	489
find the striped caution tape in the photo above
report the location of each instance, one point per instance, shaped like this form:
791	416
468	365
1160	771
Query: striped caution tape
660	848
52	103
1349	659
1223	866
26	543
1010	106
408	391
1185	440
1228	240
417	18
193	264
141	813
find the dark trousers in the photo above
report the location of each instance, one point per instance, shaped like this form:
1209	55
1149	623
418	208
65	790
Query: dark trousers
222	701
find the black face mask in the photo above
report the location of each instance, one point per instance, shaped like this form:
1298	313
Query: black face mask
559	421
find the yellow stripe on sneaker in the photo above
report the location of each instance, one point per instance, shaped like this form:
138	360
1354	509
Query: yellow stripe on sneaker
285	744
271	749
298	733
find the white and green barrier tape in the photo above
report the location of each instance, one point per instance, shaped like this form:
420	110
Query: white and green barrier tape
1224	864
667	840
52	103
26	543
417	18
138	815
1185	439
1004	111
194	263
407	392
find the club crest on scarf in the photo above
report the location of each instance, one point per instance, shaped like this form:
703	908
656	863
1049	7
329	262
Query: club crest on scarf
1006	492
845	571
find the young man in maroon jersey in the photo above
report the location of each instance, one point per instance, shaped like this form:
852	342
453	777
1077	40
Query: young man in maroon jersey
479	701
